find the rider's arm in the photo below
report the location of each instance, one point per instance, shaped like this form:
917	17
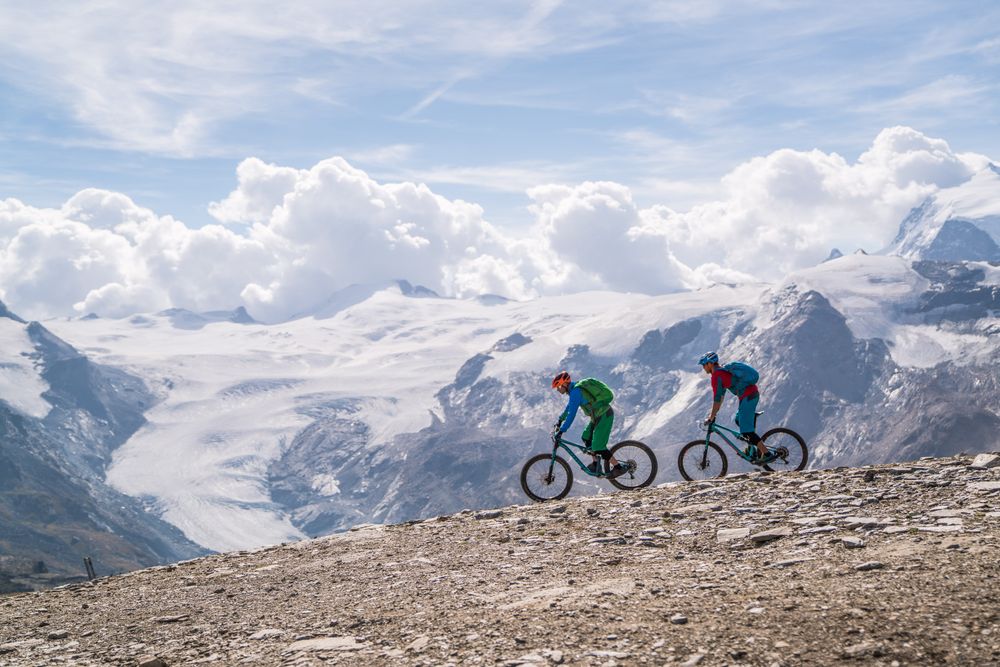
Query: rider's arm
575	398
720	381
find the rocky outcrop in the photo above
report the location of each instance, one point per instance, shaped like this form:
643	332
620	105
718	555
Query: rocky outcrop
878	565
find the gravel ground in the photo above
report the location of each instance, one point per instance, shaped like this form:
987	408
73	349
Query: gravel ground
886	565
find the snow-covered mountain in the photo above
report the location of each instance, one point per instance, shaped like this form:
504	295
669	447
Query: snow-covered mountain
389	402
61	416
959	223
397	407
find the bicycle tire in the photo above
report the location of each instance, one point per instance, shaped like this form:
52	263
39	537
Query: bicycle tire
723	465
796	439
540	473
622	481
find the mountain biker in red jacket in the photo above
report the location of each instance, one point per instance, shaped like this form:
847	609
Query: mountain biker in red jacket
746	414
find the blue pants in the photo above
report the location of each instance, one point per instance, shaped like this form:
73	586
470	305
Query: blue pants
746	414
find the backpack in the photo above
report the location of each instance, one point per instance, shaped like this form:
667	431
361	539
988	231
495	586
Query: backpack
596	392
744	375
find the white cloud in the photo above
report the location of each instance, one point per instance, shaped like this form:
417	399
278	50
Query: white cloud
597	229
788	209
296	235
262	187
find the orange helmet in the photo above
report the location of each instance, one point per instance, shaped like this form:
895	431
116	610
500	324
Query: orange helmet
561	380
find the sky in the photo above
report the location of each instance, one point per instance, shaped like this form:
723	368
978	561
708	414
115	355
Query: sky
522	148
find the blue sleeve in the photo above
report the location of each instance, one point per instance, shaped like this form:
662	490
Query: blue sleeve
575	398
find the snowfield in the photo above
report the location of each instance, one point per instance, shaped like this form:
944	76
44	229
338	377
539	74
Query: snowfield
21	385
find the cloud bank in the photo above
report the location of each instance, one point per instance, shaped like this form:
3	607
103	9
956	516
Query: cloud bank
287	238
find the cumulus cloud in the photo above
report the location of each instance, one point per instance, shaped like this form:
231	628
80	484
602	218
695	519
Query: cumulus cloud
291	237
788	209
605	240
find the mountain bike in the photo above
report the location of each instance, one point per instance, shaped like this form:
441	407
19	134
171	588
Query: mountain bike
549	477
703	459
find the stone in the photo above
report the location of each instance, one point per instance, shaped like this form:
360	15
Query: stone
555	656
151	661
947	513
325	644
869	565
862	650
620	655
491	514
985	461
853	522
267	633
57	634
418	644
729	534
985	486
697	509
693	659
678	619
817	530
171	619
852	542
789	562
770	535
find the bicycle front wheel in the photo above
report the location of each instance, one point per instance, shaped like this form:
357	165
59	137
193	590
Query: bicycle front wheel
639	461
700	461
790	448
544	479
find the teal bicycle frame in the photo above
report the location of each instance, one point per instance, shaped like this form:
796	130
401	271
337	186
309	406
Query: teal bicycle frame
714	427
568	446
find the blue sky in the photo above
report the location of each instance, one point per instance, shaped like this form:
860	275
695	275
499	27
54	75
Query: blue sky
162	102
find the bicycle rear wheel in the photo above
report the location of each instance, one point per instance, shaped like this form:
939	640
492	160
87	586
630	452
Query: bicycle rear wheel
698	461
640	461
544	479
790	447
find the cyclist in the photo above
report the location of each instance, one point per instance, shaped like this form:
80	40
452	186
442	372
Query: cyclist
741	379
594	397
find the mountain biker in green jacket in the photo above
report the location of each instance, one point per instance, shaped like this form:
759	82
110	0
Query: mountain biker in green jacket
594	398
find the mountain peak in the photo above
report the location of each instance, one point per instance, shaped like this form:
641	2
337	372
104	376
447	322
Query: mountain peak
955	224
4	312
834	254
182	318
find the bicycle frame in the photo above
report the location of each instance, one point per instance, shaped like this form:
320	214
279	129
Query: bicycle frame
718	428
568	446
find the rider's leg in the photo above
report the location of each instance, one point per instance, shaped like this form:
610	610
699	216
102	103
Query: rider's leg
587	437
602	431
746	417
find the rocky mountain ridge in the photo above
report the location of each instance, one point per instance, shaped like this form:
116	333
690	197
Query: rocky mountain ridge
881	565
55	505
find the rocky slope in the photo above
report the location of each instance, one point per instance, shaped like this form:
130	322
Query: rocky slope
884	565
